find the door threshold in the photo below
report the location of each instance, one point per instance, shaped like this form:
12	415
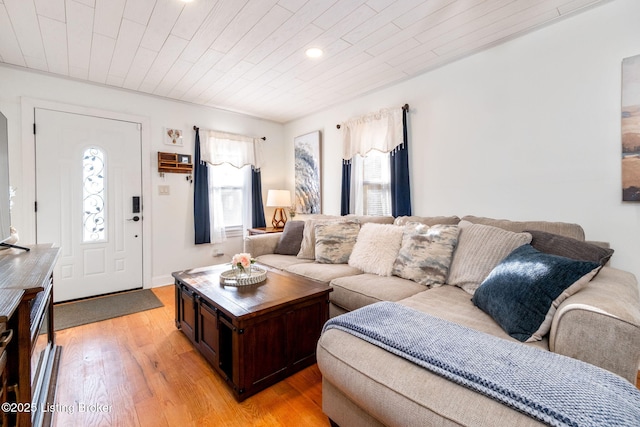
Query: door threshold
98	296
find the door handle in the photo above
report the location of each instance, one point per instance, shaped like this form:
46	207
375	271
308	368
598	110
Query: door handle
136	218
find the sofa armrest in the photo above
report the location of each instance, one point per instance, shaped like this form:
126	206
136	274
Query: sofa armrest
261	244
601	324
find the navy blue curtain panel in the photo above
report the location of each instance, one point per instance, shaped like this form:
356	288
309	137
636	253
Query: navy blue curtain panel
257	208
200	196
345	199
400	190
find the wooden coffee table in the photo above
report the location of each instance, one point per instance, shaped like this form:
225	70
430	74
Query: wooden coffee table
255	335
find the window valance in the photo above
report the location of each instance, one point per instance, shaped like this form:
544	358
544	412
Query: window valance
382	131
237	150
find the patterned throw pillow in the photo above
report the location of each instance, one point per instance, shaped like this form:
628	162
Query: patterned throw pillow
376	248
335	241
427	220
308	244
480	249
426	253
524	291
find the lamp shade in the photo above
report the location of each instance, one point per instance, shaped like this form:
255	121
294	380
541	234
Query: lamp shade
278	198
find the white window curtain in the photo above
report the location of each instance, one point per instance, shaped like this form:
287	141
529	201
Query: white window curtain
357	185
216	211
239	151
381	131
247	193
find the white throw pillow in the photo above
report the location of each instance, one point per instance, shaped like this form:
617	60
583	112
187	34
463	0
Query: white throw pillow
376	248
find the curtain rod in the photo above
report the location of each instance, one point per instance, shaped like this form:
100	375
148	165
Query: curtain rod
196	128
405	107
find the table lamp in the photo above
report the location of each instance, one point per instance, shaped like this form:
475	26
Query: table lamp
279	199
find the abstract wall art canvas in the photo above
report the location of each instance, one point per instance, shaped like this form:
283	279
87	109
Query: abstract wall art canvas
631	129
307	168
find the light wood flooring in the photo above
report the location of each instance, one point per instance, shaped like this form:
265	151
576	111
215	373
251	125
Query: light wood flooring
148	374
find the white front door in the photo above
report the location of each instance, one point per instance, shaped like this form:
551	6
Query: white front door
88	172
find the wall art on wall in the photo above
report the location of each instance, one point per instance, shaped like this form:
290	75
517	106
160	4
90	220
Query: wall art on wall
173	137
631	129
307	167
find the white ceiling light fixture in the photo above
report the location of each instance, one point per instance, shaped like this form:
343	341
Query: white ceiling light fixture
314	52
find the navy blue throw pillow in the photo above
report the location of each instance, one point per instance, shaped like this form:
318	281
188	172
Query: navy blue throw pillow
522	292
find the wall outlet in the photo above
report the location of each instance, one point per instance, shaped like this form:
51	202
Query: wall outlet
164	190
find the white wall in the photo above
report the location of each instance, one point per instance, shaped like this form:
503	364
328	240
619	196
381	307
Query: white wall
171	239
529	129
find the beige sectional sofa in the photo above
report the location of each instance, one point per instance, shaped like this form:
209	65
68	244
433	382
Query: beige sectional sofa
364	385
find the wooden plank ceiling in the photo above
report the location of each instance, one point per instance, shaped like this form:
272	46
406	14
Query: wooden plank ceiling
248	55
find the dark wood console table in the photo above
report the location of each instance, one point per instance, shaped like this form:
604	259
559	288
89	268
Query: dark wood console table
26	295
256	335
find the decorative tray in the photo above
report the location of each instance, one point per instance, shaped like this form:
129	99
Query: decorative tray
233	278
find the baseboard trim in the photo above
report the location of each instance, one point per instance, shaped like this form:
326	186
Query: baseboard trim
162	281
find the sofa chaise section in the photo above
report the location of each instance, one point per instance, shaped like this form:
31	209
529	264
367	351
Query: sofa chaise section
364	385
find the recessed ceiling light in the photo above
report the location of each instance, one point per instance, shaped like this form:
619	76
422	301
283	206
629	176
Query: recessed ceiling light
186	1
314	52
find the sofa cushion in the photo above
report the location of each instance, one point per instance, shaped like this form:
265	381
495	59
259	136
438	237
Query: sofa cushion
376	248
480	248
322	272
454	304
426	252
308	244
281	262
427	220
359	290
571	248
290	238
523	292
335	241
566	229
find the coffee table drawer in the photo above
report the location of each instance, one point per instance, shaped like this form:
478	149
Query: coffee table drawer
208	336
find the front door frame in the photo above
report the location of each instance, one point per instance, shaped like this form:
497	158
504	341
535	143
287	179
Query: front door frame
27	192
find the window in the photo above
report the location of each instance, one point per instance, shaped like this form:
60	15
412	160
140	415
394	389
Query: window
93	195
372	184
376	184
229	199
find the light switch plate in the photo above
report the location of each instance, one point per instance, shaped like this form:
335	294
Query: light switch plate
163	190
